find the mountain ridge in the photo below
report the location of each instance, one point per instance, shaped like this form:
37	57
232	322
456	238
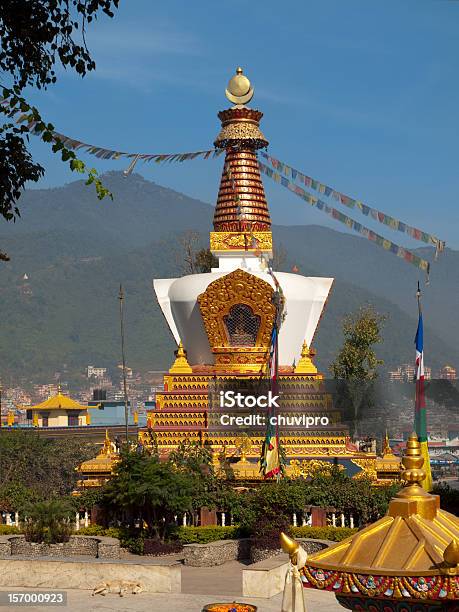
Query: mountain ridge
76	250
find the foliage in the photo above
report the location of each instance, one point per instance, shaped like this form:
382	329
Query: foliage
8	530
48	521
93	530
204	535
204	261
145	490
37	36
152	546
357	359
33	467
15	495
334	534
355	366
87	499
449	497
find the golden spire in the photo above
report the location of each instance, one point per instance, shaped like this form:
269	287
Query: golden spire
386	449
241	204
180	365
413	499
107	448
305	364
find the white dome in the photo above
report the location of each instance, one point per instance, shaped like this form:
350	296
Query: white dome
305	300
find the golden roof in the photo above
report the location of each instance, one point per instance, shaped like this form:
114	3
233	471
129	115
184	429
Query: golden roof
59	402
105	460
411	540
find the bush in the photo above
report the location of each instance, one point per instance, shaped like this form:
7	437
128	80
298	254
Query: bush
266	533
449	497
92	530
335	534
153	546
204	535
131	539
49	522
8	530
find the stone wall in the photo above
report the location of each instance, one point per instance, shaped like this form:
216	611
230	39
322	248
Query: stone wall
216	553
88	546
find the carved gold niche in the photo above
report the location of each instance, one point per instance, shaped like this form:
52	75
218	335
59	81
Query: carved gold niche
218	304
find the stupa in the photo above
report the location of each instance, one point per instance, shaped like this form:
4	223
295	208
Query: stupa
222	320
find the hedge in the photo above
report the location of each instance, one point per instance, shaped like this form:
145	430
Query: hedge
204	535
335	534
8	530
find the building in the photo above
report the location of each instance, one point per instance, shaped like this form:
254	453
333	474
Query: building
447	372
223	322
404	373
96	372
58	411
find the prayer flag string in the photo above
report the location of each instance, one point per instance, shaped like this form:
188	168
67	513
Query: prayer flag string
387	245
366	210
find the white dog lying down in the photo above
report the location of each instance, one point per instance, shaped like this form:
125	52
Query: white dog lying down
118	586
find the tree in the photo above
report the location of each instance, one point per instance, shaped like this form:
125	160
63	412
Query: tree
150	491
36	36
191	257
205	260
47	467
355	366
357	359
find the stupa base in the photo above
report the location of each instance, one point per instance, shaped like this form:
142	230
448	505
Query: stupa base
368	604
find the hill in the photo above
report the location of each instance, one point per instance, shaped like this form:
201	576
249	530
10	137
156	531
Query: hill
75	251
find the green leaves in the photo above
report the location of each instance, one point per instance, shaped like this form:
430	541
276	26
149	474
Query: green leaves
357	359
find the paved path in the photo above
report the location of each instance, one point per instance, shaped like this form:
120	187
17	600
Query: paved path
82	601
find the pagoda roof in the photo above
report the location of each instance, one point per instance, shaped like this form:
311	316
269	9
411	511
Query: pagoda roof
415	538
59	402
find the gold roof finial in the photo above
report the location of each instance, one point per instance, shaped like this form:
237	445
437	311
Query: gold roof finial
305	364
412	499
386	449
180	365
239	90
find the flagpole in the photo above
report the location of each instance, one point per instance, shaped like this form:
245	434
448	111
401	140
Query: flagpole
418	296
123	357
420	420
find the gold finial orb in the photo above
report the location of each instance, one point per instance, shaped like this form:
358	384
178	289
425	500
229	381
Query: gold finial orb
451	554
239	90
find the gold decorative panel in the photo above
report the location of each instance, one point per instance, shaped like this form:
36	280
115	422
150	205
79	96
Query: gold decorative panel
238	288
240	241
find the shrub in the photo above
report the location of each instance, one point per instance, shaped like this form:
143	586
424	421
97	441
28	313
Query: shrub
8	530
267	530
334	534
49	522
449	497
153	546
203	535
92	530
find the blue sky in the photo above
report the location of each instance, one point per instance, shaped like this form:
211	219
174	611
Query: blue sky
363	95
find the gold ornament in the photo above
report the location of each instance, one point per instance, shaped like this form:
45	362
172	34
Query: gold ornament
239	90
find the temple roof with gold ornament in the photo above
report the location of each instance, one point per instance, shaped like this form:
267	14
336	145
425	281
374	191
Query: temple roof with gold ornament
59	402
104	461
415	538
